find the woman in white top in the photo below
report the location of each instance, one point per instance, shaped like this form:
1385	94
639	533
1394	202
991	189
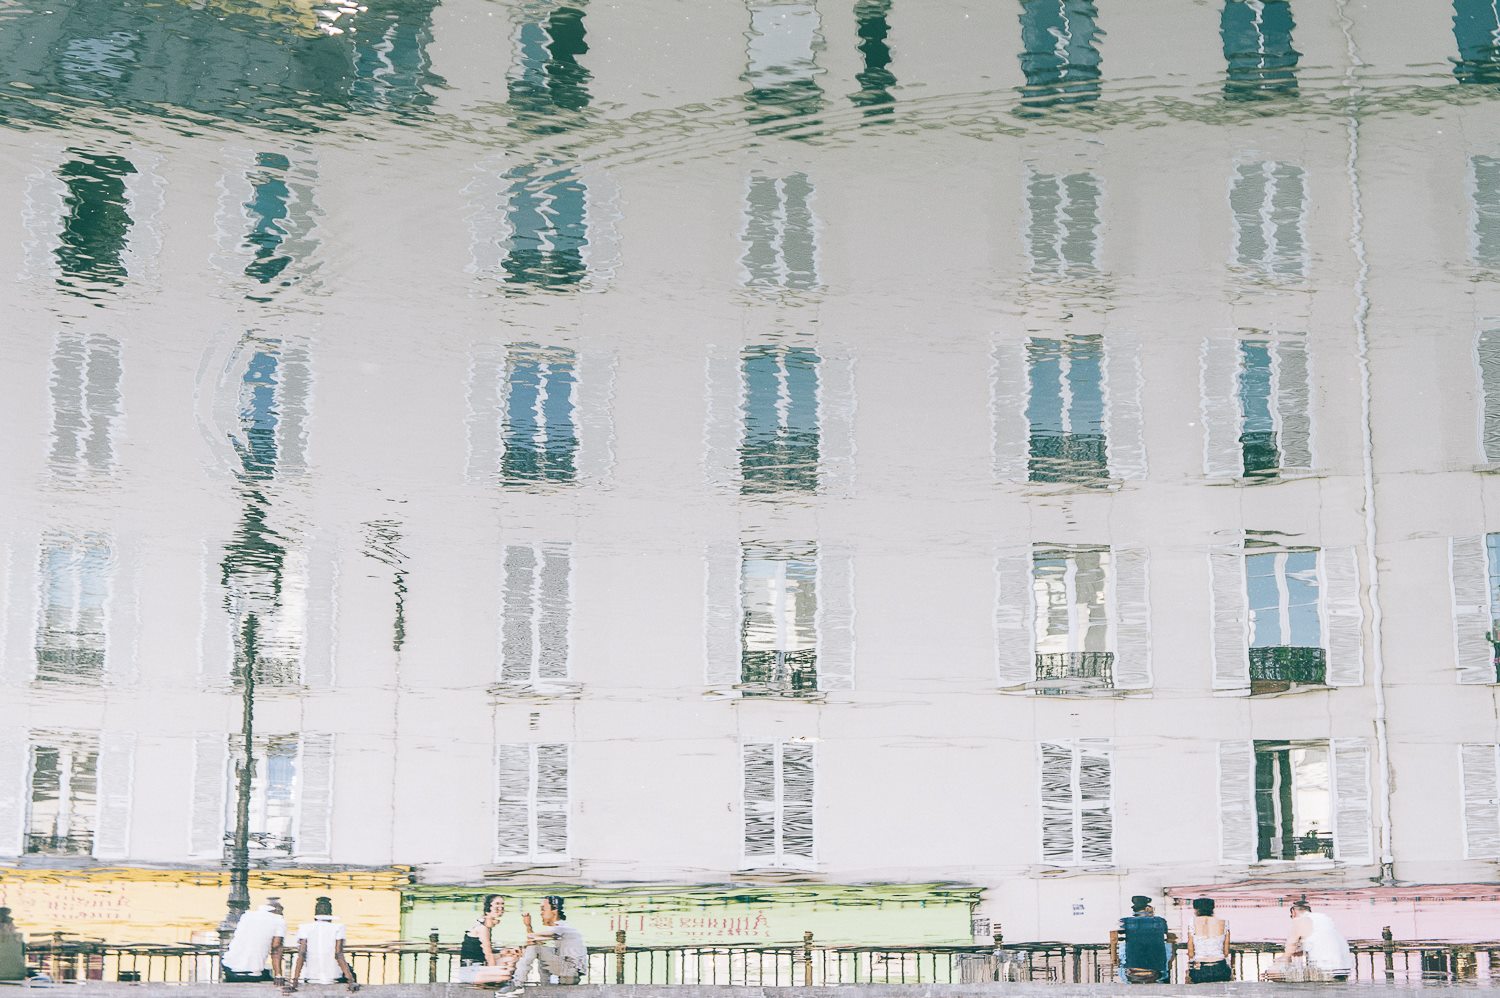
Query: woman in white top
1207	945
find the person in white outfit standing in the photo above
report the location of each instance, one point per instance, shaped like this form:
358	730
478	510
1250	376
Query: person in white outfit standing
320	950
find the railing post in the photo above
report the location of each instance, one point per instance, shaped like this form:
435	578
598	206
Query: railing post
217	974
432	956
807	938
619	956
1387	943
1000	970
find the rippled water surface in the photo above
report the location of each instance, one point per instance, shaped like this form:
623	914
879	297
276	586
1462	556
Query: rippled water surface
881	469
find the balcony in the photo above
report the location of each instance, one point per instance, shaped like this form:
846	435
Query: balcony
776	673
1068	457
1074	671
1278	668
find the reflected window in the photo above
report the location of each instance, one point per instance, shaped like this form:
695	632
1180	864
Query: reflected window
1074	639
270	627
779	799
547	216
1476	28
536	612
63	811
273	793
531	803
95	66
85	395
875	79
546	78
539	436
1286	631
779	452
1258	49
96	219
391	67
1269	202
779	636
71	635
1065	409
1273	398
780	234
1077	791
1062	223
781	60
1293	800
1060	52
1485	219
269	207
274	394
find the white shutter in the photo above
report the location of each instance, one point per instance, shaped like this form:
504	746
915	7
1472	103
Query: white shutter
723	425
15	791
1125	432
1487	356
1469	571
487	199
1352	835
122	616
1132	618
722	614
517	607
1237	826
835	617
145	192
6	665
1231	643
116	786
1294	405
798	800
512	802
216	626
24	596
320	653
210	783
484	447
1096	823
601	205
314	834
593	394
293	409
1223	456
1058	814
1343	618
1008	394
836	425
758	799
551	801
1481	790
1015	617
554	611
43	214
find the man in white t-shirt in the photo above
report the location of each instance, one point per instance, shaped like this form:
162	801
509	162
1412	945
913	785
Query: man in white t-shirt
320	950
257	935
556	946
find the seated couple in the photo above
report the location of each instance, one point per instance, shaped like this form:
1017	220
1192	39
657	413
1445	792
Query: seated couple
556	946
1145	949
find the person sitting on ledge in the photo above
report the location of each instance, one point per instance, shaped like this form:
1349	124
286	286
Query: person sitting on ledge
1315	951
557	946
1145	954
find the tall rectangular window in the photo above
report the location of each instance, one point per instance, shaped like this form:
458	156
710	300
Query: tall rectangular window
64	795
1286	632
538	432
85	390
1476	29
1062	223
1484	181
1073	635
547	81
779	637
1077	797
272	794
285	785
274	395
536	613
780	234
875	79
1258	49
547	215
268	209
1269	203
392	69
1274	397
779	800
1059	52
531	803
1066	410
96	220
780	449
1293	800
781	60
71	634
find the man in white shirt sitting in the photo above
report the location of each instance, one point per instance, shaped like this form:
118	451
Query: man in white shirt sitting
257	935
557	946
320	950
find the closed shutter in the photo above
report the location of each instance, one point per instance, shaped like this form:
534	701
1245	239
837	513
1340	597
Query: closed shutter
1473	621
24	594
552	804
15	791
1012	432
116	788
1223	455
1488	358
485	374
602	213
1059	828
1125	437
1231	642
1015	633
594	425
1343	617
216	626
1294	405
144	200
836	407
7	667
1096	822
210	783
722	614
122	615
1481	790
315	797
759	802
1352	835
723	427
518	602
512	802
1237	828
835	617
293	409
554	611
1132	617
798	797
320	653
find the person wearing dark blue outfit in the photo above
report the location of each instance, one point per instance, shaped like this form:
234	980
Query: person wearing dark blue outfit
1143	943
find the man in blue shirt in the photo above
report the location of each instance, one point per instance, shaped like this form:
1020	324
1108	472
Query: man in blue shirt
1143	942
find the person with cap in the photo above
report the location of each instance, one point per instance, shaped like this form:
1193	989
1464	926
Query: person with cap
556	946
257	936
1144	954
320	950
1315	950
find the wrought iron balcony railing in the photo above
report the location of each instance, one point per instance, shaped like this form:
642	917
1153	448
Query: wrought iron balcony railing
1076	668
1068	457
779	673
1289	664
